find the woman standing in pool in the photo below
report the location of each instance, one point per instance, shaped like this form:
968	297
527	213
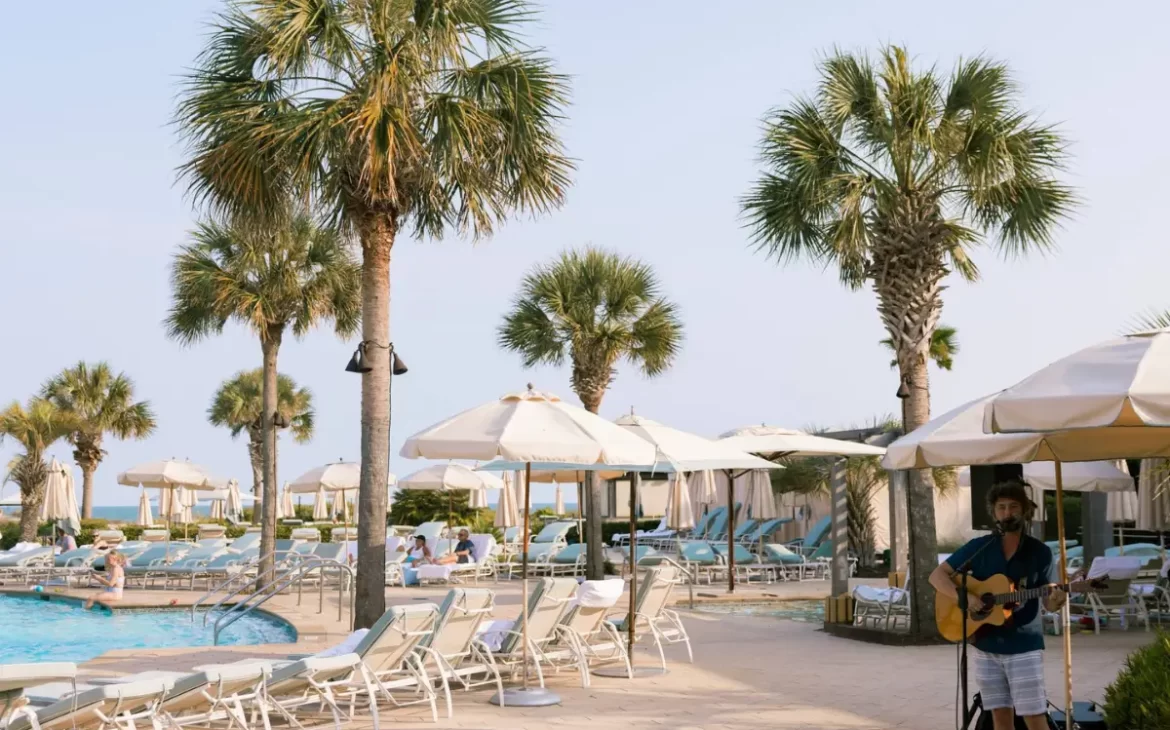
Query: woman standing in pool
114	581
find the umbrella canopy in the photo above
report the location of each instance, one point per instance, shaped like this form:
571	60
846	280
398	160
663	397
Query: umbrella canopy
340	476
167	474
1154	496
531	427
1083	476
321	505
760	500
773	443
507	511
679	515
688	452
559	503
60	504
542	475
702	488
450	477
145	519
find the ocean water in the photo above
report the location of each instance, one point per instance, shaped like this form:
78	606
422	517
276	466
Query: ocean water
129	513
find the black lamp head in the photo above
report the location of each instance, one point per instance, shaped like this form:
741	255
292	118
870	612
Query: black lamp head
357	363
903	391
397	367
279	420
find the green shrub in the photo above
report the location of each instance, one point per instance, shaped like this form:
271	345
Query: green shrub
1138	699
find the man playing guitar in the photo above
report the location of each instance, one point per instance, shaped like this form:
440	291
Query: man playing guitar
1009	659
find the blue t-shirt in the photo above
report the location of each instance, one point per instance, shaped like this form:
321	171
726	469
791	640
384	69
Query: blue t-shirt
1029	567
469	547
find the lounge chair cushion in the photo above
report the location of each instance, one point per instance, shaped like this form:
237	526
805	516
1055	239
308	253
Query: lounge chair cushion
873	594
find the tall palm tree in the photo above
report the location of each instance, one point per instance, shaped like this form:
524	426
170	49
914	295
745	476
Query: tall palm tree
100	403
397	115
35	428
944	345
894	175
239	403
270	279
593	308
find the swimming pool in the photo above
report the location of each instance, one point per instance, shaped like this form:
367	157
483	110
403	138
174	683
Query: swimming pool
35	629
805	611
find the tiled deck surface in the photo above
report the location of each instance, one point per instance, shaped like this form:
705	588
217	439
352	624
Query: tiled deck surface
749	672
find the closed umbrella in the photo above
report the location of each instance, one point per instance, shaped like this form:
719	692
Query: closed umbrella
321	505
60	503
1121	507
702	488
679	515
761	503
215	510
507	511
234	506
1154	496
559	503
286	504
530	427
145	518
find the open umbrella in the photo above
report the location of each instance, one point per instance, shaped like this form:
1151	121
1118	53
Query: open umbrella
339	478
529	427
167	475
1107	401
451	478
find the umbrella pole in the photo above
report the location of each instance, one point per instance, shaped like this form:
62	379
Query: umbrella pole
580	510
730	531
630	618
524	571
1066	634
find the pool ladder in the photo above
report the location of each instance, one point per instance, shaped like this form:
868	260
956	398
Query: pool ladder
284	577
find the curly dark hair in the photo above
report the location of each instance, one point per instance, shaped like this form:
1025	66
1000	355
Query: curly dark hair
1014	489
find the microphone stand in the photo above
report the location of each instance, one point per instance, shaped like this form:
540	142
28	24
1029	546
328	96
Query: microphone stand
964	571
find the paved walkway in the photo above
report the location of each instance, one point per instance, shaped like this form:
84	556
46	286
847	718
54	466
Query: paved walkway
749	672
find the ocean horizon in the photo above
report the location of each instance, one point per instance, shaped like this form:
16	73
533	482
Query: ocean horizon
129	513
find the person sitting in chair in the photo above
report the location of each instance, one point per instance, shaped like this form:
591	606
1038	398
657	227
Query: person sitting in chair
464	551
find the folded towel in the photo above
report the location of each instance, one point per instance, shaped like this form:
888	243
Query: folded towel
878	595
345	647
599	593
493	633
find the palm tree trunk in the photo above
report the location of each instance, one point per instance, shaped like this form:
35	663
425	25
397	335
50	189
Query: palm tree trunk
30	512
270	346
256	459
87	470
377	243
594	520
923	540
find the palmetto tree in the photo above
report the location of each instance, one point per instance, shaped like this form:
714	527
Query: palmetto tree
101	403
239	403
270	279
35	428
944	345
593	308
399	116
894	175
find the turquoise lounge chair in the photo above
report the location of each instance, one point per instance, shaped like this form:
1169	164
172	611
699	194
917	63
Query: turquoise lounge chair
568	561
765	530
812	539
746	564
699	560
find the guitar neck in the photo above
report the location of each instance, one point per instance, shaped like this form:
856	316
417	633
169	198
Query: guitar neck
1028	594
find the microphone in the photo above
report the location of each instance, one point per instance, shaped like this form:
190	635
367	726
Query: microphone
997	529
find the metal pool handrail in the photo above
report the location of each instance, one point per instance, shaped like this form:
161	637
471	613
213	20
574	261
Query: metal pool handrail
295	576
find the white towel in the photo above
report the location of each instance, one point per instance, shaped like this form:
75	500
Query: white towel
873	594
1120	567
345	647
599	593
493	633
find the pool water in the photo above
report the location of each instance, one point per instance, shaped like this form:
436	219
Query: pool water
37	630
806	611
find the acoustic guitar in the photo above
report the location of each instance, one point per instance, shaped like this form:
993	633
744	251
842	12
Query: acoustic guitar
1000	597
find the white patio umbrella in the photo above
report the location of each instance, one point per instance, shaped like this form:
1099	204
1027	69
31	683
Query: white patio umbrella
321	505
559	503
761	502
1082	476
702	488
477	499
1107	401
772	442
452	478
1153	496
60	503
341	478
145	519
507	512
530	427
679	515
234	505
1122	507
286	504
575	477
167	475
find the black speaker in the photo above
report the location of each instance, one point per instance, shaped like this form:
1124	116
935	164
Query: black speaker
983	478
985	721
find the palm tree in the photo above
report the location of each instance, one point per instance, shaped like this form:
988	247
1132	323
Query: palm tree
35	428
100	403
238	405
397	116
944	345
595	309
894	175
269	279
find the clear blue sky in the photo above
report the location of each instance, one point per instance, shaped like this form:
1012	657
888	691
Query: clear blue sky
667	102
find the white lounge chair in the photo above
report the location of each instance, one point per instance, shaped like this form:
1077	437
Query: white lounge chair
650	612
881	606
502	641
98	708
584	637
452	647
1115	598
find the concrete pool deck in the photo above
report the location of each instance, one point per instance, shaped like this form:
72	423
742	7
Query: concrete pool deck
749	672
